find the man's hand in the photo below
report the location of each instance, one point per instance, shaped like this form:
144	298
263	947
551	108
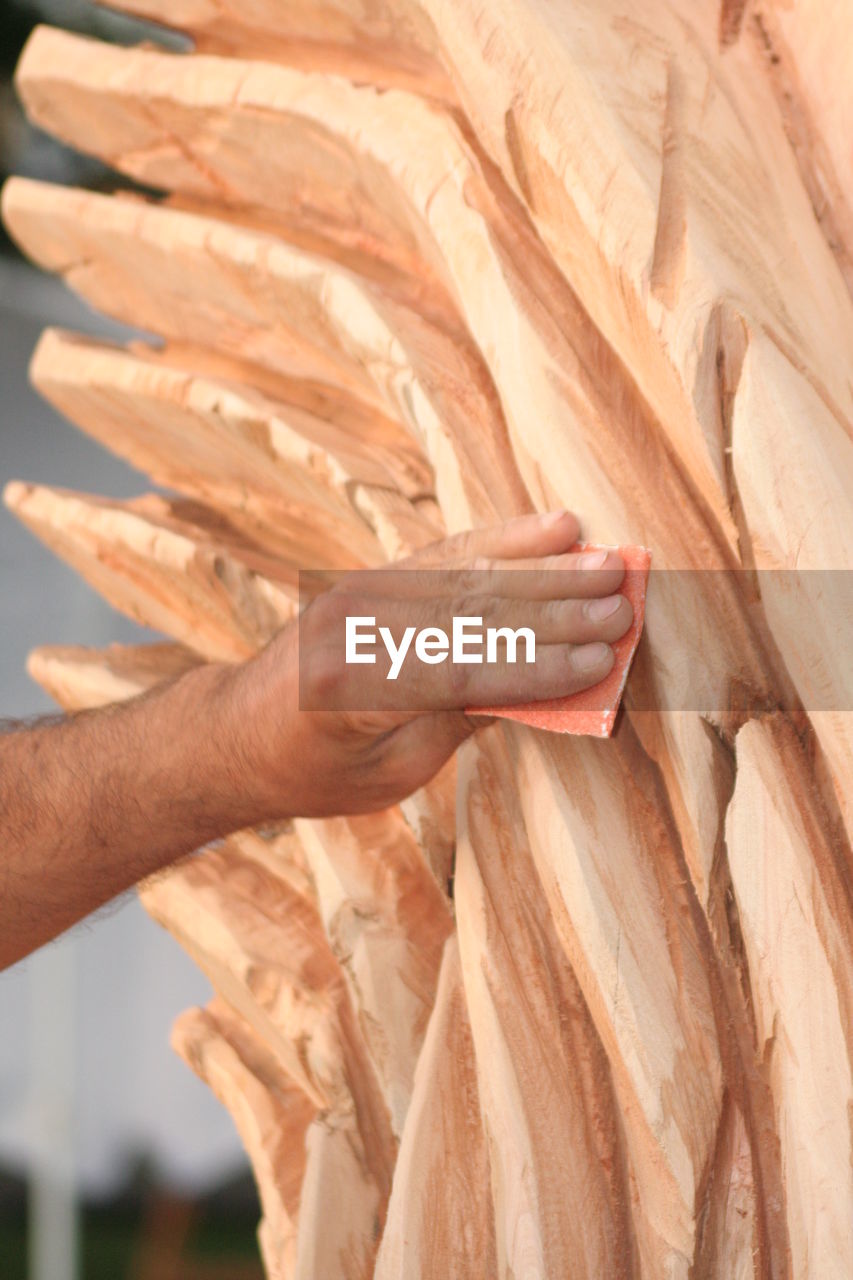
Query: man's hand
356	758
100	800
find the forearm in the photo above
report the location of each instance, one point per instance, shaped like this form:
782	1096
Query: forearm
92	805
98	802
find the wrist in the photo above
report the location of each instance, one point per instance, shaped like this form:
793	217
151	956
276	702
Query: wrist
261	705
208	759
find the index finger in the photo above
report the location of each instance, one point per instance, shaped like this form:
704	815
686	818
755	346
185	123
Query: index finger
530	536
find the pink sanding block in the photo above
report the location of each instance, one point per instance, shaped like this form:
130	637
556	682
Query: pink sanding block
592	711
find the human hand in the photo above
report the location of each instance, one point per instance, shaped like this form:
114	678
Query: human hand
367	743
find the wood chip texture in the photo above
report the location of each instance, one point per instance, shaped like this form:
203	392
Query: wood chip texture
581	1007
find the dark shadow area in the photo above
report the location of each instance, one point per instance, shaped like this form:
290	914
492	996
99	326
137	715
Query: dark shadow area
146	1233
28	151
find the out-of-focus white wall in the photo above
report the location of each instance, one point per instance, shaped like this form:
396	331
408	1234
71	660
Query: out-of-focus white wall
88	1082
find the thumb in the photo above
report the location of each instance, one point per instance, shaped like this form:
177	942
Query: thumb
420	747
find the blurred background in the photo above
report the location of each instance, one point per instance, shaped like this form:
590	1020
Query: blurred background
114	1160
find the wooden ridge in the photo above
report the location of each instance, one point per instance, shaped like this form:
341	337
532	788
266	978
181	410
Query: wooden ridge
389	45
425	264
222	600
271	469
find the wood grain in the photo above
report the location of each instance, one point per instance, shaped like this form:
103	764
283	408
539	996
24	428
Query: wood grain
576	1008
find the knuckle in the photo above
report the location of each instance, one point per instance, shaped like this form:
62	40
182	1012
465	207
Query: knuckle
345	601
558	616
466	605
322	678
447	550
464	546
430	553
468	584
330	609
464	543
460	676
465	580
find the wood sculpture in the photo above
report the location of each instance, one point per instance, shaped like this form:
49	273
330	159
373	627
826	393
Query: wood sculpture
422	264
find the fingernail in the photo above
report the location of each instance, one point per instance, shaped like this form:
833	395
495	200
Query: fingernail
592	559
603	608
587	656
553	517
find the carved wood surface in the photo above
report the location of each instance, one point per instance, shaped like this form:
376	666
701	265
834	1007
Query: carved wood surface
422	264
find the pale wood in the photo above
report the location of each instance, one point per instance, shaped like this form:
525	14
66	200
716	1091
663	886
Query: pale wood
384	236
122	256
269	957
563	371
806	47
612	279
440	1215
570	385
285	326
255	459
614	893
524	1001
683	208
797	495
378	42
163	571
795	906
271	1113
562	146
387	919
78	678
